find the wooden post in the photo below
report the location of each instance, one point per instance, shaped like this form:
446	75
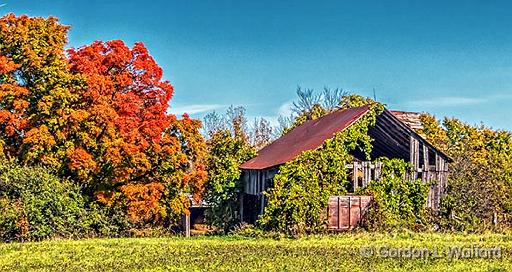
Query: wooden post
426	164
354	176
378	171
414	149
426	174
441	179
187	225
366	173
242	207
262	196
363	170
444	181
248	186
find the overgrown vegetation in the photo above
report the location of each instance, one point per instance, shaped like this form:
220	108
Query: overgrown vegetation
480	180
302	187
35	204
228	147
226	153
398	203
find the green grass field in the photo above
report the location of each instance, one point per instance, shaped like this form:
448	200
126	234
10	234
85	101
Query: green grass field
341	253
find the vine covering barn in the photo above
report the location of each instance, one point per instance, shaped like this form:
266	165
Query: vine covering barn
379	133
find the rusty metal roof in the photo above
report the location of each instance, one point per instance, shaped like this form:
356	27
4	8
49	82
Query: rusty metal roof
307	136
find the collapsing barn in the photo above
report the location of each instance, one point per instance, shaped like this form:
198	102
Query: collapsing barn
393	138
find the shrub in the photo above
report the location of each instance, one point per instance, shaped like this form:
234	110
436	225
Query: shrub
478	195
37	205
398	203
248	230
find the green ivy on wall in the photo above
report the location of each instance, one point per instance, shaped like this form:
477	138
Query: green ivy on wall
398	202
296	202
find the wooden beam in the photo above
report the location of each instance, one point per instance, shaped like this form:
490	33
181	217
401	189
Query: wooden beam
242	207
187	225
425	168
378	171
414	147
390	146
407	130
354	175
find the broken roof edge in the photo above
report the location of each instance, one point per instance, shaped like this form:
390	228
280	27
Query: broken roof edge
418	136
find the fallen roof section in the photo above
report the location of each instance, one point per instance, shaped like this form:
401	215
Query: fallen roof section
412	119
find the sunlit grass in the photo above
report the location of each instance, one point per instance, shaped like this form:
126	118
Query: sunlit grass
231	253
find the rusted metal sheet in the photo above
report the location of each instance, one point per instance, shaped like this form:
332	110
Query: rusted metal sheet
392	138
307	136
346	212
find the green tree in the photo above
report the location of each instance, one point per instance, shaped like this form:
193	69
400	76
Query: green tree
228	147
480	178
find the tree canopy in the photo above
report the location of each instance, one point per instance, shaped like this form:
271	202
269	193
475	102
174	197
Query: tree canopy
97	114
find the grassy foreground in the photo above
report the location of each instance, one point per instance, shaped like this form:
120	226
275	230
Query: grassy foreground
341	253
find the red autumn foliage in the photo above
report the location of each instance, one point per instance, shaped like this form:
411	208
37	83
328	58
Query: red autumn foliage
97	114
125	110
143	202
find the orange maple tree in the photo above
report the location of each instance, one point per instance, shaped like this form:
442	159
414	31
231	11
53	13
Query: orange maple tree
98	115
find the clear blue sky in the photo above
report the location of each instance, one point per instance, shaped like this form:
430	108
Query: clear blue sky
446	57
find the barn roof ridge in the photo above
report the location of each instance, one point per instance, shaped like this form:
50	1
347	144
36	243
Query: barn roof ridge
313	133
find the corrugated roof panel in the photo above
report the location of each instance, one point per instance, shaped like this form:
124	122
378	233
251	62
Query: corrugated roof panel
307	136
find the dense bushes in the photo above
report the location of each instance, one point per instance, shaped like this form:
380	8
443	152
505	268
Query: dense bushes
398	203
35	204
480	180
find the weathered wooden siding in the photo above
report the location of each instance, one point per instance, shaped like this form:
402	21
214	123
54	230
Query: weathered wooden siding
257	181
346	212
422	168
392	139
363	173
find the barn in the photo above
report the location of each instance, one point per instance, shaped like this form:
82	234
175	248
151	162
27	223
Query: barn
394	137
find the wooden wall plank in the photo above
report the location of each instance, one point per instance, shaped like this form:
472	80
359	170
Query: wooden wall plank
355	180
